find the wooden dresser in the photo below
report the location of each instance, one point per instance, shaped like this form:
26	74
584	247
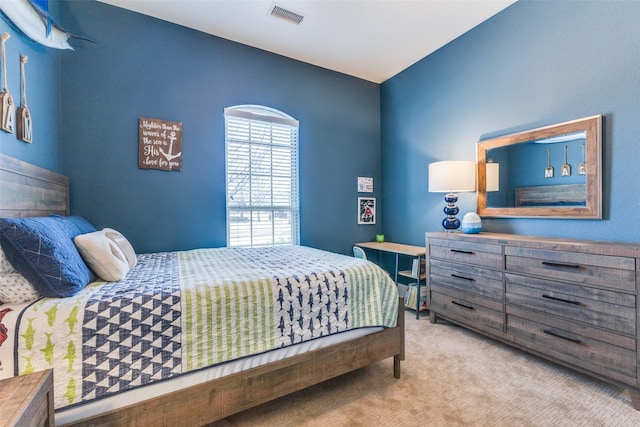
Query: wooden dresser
27	400
574	302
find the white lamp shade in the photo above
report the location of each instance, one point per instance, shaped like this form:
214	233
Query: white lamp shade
453	176
493	176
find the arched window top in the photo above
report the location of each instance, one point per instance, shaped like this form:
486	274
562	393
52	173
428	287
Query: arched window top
261	113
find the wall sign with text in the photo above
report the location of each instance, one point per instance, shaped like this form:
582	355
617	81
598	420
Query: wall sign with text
159	144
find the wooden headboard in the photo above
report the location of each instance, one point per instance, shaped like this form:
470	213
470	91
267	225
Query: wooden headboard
29	190
552	195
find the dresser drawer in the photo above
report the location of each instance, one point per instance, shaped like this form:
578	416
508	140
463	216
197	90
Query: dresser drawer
469	278
483	254
473	310
602	352
601	270
595	307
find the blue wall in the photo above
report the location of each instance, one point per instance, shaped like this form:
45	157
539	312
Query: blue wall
43	98
145	67
534	64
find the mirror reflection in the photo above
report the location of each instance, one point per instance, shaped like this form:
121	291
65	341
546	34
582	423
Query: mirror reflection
545	162
547	172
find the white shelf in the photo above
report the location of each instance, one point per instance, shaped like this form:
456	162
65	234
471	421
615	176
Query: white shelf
407	273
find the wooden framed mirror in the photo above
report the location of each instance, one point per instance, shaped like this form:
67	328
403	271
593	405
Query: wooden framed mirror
549	172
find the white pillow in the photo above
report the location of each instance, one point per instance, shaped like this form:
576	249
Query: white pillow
16	289
123	244
5	265
107	252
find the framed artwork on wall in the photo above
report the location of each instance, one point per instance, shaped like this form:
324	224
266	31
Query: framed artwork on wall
159	144
366	210
365	184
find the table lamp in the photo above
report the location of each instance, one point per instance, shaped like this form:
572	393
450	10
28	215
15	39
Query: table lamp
451	177
493	176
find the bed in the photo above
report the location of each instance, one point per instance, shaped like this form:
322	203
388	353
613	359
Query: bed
286	318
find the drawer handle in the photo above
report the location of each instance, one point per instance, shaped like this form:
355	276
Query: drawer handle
470	279
468	307
555	334
560	299
560	264
458	251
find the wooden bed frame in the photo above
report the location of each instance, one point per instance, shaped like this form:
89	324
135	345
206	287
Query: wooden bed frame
28	190
551	195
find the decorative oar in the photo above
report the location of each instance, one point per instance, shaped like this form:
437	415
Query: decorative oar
7	109
565	169
582	167
25	130
548	171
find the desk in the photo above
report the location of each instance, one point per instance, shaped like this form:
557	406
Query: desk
401	249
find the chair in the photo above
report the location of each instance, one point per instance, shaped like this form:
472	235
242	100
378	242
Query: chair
359	253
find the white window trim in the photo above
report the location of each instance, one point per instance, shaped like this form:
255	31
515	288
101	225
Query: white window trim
256	238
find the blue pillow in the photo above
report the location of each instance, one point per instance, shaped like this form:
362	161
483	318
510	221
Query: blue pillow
82	224
42	249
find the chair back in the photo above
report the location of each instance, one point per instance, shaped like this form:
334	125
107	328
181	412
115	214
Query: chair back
359	253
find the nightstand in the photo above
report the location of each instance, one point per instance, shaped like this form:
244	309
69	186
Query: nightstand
27	400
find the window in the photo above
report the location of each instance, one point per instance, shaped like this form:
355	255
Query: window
262	177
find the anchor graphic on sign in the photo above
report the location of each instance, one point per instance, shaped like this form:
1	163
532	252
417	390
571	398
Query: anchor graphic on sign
172	137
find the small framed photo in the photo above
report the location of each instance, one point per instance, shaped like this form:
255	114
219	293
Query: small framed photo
366	210
365	184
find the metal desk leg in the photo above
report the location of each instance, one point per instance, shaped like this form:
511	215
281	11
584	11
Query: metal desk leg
396	275
418	294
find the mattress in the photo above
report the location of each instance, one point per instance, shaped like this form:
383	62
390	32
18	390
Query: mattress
137	395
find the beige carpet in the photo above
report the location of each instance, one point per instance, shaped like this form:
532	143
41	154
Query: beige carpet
451	377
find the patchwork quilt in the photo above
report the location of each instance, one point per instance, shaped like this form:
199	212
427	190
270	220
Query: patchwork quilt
177	312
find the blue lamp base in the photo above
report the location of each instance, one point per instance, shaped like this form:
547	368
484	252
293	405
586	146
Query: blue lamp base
451	223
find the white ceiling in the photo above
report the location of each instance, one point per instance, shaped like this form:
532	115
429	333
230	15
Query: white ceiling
370	39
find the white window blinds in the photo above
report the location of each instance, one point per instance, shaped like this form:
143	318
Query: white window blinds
262	177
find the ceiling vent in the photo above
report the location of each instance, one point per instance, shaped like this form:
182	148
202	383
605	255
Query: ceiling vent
287	15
